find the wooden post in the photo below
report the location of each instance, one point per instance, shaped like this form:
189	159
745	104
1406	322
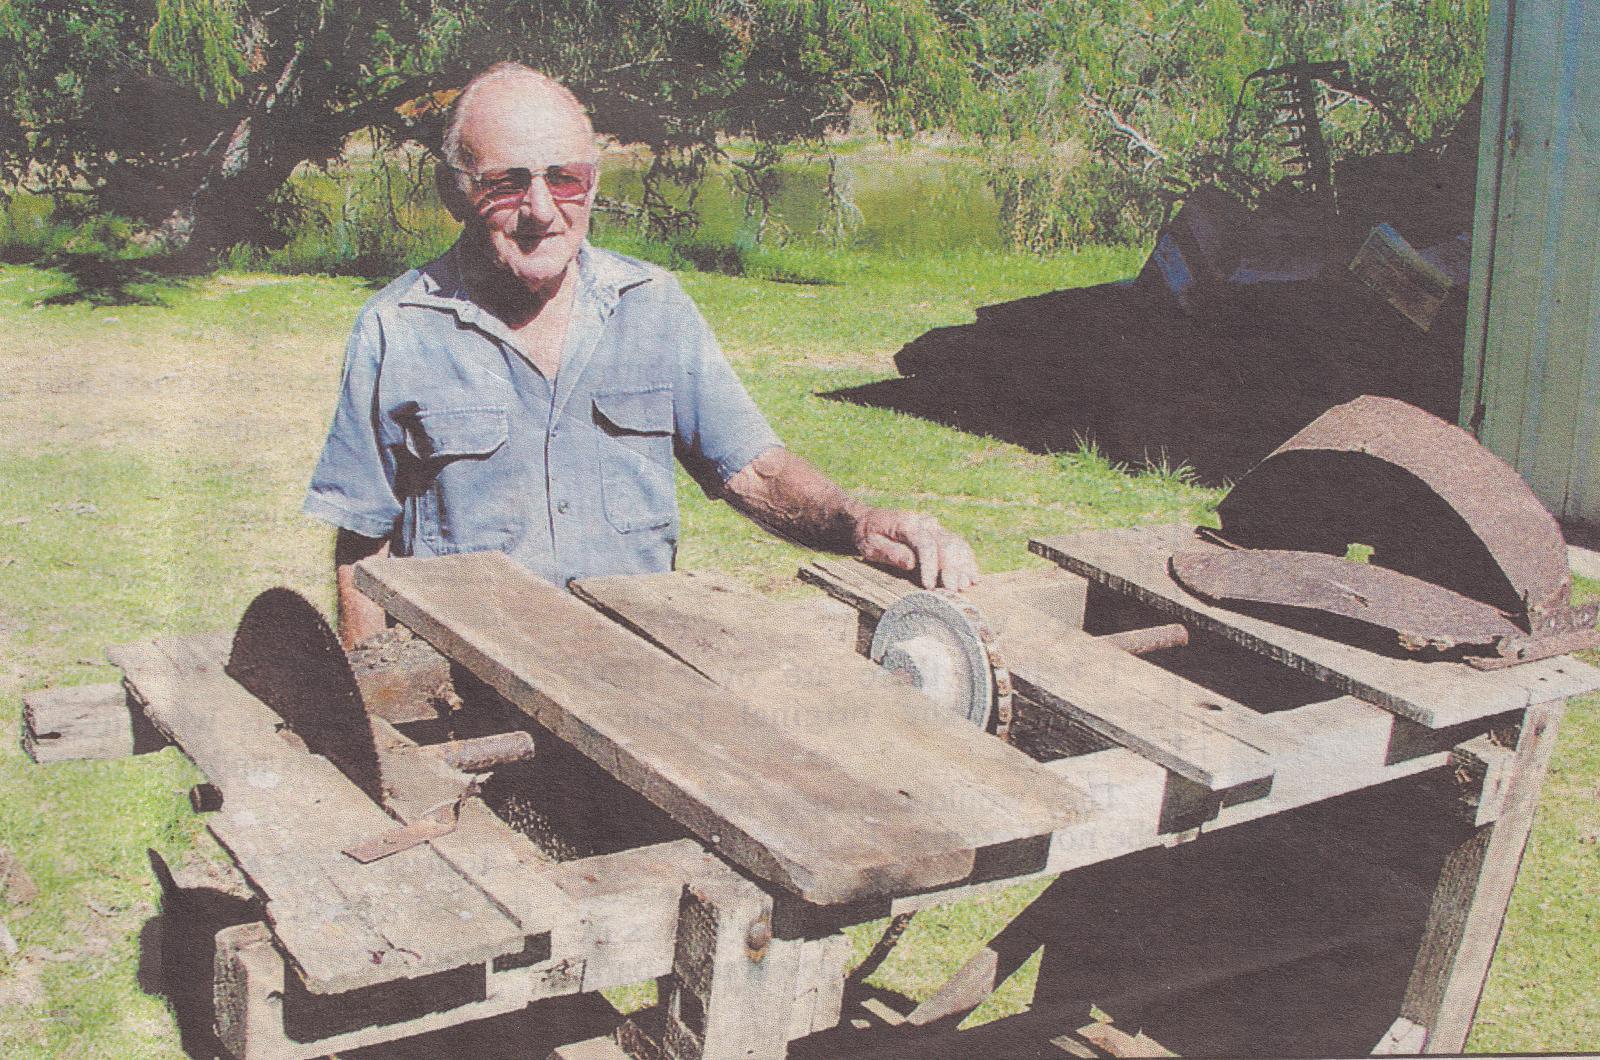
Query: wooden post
249	994
1474	889
735	990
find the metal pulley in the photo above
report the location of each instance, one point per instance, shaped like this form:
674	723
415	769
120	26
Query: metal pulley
940	645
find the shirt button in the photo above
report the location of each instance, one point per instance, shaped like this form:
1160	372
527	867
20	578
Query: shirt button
562	506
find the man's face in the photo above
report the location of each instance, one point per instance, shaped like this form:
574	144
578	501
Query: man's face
515	128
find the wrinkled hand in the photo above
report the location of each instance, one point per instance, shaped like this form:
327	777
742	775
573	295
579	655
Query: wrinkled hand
911	541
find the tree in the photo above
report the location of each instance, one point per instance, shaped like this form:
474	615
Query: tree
1130	103
188	114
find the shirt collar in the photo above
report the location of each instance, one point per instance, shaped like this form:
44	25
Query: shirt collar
603	278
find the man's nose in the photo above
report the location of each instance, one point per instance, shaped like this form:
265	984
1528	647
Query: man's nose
537	203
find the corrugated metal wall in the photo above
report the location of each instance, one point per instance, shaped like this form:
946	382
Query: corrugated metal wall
1531	388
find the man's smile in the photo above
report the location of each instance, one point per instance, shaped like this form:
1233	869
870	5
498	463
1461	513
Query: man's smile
528	239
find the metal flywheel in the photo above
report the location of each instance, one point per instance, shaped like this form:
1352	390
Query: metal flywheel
941	645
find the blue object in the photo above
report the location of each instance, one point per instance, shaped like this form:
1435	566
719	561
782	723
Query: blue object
447	439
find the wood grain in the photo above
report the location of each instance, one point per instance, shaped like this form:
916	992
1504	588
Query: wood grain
1133	563
750	787
889	738
285	818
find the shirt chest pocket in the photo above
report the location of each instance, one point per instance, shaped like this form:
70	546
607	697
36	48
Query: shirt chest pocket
635	439
464	498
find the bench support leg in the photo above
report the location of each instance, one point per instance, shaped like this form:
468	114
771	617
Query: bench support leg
1474	889
735	990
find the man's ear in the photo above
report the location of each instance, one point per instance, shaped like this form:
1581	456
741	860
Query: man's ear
448	185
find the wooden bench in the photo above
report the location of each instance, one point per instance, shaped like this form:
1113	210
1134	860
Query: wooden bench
817	792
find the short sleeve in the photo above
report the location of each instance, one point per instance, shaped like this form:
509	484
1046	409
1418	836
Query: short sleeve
353	486
719	428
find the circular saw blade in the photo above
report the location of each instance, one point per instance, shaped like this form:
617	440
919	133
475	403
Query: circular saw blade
942	645
285	654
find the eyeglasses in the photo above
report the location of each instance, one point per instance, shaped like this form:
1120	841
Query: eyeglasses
566	182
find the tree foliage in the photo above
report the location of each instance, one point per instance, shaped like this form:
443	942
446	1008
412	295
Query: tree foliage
189	115
1158	95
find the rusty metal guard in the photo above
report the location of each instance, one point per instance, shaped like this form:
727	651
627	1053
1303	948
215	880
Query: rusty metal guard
1463	554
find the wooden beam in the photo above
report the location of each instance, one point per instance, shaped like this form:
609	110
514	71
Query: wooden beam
286	817
82	721
1133	563
759	793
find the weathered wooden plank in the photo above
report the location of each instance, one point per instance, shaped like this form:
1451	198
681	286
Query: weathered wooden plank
256	997
1474	889
886	736
1173	722
757	792
83	721
625	909
1133	563
285	818
867	589
1038	619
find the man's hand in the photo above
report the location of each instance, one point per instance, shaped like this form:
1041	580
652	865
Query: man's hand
910	541
789	496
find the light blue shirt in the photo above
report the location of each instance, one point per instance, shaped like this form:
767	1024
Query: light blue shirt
447	439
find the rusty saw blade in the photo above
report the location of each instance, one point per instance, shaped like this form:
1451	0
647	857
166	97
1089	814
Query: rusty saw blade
285	654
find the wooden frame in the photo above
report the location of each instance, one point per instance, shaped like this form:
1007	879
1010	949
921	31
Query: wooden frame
747	962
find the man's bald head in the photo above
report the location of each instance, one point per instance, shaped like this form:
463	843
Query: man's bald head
512	92
511	128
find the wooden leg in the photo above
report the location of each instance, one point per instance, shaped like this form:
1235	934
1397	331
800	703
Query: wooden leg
1474	889
249	992
735	991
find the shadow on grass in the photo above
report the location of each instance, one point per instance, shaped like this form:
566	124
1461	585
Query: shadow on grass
1123	367
100	279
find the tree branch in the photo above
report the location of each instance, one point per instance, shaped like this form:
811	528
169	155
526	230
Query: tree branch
1137	141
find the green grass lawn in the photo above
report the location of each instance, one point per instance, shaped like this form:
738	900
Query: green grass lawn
155	456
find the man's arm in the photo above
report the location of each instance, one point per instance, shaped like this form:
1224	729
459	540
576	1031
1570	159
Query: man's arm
787	494
359	617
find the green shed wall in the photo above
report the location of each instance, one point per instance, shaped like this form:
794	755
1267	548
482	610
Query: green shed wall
1531	387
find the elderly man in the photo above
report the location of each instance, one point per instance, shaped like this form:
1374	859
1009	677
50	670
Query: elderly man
527	392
